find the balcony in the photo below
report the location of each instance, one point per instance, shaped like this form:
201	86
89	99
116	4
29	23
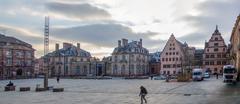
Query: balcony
123	61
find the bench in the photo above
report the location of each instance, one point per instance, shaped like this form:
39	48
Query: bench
58	89
40	89
9	88
24	89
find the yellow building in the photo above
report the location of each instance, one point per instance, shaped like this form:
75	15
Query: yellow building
235	44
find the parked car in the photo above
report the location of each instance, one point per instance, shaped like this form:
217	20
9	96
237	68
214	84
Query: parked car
206	75
161	77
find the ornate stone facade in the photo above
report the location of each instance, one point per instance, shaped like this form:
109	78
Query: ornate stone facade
71	61
215	53
130	59
16	58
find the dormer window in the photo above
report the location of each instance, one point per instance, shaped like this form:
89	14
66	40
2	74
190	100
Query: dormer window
216	39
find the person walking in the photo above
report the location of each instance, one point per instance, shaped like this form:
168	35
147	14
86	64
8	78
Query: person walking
217	75
58	78
143	93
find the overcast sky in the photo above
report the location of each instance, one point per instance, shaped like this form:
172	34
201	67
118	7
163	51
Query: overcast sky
98	24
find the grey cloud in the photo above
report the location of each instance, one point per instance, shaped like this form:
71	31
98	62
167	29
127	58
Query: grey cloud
20	35
103	34
214	12
82	11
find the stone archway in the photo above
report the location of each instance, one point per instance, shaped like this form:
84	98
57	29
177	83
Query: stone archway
19	72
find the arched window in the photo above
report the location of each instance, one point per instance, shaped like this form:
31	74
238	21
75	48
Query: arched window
115	69
123	69
78	70
131	69
84	70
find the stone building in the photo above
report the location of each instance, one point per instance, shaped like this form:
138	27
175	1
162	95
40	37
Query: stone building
71	61
155	63
215	53
16	58
235	44
176	57
130	59
108	65
198	58
38	66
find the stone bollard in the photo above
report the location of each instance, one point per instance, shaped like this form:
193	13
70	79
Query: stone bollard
24	89
38	89
9	88
58	89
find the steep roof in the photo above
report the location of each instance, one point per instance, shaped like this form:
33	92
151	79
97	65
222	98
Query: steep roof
155	57
70	51
235	26
8	39
131	47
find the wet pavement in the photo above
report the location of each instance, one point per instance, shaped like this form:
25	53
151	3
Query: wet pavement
117	91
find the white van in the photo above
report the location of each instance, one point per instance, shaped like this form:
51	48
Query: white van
198	74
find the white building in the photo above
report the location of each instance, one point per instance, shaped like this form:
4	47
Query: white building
130	59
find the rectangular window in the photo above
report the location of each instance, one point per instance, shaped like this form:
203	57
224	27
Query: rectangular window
211	62
174	65
224	62
173	59
215	44
168	66
207	56
218	62
215	49
206	63
166	53
224	55
173	53
169	59
219	56
28	54
9	61
212	56
162	59
8	53
178	65
166	59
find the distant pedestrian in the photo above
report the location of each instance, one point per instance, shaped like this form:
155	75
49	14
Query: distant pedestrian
217	75
10	84
151	77
58	78
143	93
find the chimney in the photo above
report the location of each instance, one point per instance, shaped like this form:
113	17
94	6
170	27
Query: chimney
119	43
78	45
140	43
56	46
125	42
67	45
